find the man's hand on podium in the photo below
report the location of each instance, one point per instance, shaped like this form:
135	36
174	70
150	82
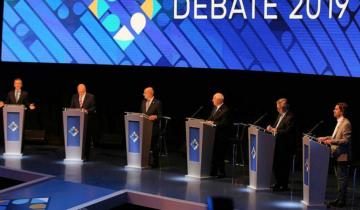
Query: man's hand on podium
153	117
325	140
32	107
1	104
269	128
209	122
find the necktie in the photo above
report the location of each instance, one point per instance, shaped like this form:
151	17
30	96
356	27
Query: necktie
147	105
81	101
17	96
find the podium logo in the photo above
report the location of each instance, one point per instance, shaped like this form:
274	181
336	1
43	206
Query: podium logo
134	137
122	34
13	126
74	131
253	153
307	165
195	144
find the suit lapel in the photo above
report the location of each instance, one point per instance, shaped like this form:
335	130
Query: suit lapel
85	98
21	97
150	106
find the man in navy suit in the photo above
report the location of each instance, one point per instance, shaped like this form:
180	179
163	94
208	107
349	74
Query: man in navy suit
19	96
86	101
153	108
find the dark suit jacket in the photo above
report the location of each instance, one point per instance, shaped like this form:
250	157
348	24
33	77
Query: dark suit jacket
222	121
286	133
155	108
89	103
24	98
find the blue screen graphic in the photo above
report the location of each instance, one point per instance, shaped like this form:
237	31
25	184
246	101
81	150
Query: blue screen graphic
147	33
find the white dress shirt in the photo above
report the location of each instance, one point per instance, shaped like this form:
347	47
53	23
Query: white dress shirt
339	120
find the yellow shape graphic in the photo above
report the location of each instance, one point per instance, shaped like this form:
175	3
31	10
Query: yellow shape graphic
93	8
147	7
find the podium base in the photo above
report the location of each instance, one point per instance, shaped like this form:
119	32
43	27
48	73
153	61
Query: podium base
66	160
136	167
198	177
316	206
12	155
258	188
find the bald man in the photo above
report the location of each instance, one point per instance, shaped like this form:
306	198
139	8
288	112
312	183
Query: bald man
153	108
285	136
83	100
220	116
86	101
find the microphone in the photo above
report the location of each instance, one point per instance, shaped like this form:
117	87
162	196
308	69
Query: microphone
315	127
259	119
197	111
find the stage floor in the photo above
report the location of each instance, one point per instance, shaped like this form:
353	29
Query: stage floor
105	173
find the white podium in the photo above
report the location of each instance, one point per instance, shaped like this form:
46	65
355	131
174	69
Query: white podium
13	116
138	130
315	171
74	122
261	156
200	137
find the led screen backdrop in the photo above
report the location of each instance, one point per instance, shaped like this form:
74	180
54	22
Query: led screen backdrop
305	37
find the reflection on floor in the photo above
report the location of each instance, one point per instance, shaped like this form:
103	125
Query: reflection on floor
75	184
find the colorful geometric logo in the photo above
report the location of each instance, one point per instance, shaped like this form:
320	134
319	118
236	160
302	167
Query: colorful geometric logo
25	204
122	34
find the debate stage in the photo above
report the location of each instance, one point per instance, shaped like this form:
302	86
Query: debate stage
74	185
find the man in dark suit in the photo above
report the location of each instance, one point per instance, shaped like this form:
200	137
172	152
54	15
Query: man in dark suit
19	96
86	101
220	116
340	151
83	100
285	136
153	108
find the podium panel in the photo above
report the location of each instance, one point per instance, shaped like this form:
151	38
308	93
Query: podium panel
13	118
261	156
74	122
315	171
200	137
138	130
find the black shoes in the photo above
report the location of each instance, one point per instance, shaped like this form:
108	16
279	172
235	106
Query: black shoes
336	203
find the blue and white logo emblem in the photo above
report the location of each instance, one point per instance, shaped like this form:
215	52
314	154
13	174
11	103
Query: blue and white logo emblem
253	153
134	137
74	131
13	126
195	144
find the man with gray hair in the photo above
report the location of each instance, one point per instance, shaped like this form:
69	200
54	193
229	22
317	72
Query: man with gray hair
153	108
285	136
86	101
220	116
